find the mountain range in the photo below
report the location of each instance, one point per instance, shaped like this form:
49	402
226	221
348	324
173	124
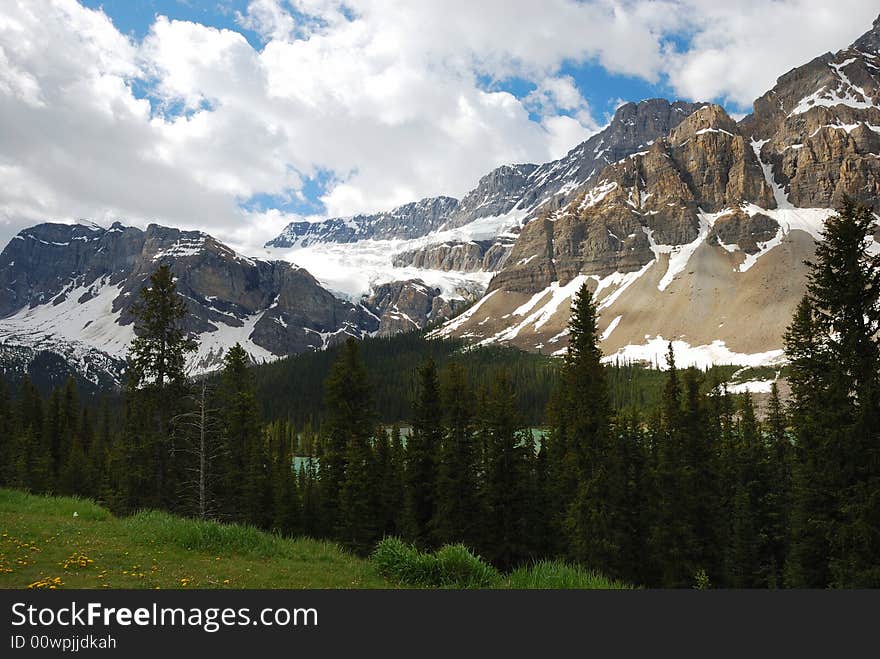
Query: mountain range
689	226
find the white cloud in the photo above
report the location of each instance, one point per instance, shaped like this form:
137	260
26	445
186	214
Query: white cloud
388	98
739	49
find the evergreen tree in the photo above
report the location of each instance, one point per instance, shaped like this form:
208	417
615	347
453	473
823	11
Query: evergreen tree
747	544
506	489
347	433
422	453
835	410
844	292
7	443
581	462
286	505
458	513
156	383
388	481
245	471
778	471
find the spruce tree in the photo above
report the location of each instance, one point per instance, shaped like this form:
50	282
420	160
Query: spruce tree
458	513
835	411
157	381
422	454
347	433
245	471
509	454
583	457
778	473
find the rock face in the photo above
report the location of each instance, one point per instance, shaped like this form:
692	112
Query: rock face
404	306
521	189
652	198
471	256
70	288
818	129
634	127
700	238
408	221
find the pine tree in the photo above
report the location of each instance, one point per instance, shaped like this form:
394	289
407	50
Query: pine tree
458	513
747	544
156	380
33	469
844	292
835	410
244	470
286	505
778	471
388	478
583	458
506	489
7	444
422	453
347	433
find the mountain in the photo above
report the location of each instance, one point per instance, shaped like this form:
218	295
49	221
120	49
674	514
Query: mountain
507	189
408	221
69	290
700	239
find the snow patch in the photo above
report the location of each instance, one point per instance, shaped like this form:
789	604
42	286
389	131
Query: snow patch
653	351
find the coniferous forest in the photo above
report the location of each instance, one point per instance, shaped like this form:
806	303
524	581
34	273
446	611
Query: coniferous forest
659	479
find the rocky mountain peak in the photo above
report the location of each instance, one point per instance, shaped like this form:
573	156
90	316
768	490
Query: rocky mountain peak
870	40
708	118
70	288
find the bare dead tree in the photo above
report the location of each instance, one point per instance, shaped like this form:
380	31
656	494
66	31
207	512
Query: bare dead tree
200	431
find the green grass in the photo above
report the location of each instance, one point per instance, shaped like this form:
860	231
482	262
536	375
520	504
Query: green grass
454	566
41	542
557	575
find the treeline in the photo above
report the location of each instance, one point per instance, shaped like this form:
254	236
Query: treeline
286	388
696	492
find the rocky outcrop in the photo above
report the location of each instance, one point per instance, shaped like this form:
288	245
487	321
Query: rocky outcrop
634	127
818	129
738	230
77	283
471	256
404	306
652	198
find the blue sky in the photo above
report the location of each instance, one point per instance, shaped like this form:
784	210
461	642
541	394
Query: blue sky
238	116
601	89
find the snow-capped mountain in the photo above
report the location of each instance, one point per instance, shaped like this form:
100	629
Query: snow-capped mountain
454	247
69	289
411	220
701	238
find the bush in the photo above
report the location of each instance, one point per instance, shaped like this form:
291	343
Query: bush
459	568
452	566
558	575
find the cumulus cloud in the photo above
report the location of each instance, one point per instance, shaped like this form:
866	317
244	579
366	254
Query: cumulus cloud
736	51
382	101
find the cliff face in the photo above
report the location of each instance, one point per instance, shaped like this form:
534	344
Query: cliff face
700	238
74	285
818	129
654	197
405	306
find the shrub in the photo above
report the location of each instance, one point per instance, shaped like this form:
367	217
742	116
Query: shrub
452	566
558	575
459	568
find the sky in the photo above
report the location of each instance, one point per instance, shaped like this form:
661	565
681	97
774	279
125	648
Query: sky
238	116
